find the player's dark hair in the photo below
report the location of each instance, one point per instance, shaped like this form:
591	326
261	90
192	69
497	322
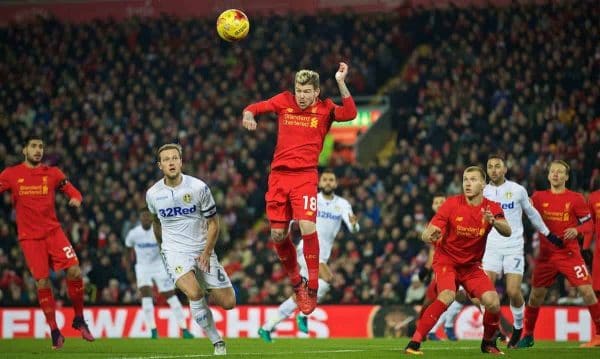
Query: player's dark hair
169	146
327	170
477	169
439	194
143	209
497	156
32	138
560	162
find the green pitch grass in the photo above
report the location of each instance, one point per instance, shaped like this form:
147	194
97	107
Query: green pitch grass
281	348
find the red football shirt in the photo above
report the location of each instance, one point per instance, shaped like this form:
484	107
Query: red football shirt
594	204
301	132
561	211
464	230
33	194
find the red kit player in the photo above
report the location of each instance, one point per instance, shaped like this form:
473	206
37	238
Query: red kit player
303	121
567	215
594	202
459	229
44	244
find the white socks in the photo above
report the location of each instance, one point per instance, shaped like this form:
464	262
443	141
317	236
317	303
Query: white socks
517	313
148	309
288	307
203	316
452	312
177	310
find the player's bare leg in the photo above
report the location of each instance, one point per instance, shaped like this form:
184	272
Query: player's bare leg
517	306
46	300
491	321
589	297
201	313
311	255
75	291
177	311
532	310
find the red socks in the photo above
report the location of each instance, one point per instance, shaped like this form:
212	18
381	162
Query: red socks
428	319
595	314
531	315
48	306
311	255
490	325
287	255
75	291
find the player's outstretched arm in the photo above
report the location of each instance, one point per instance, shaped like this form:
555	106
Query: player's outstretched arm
347	111
274	104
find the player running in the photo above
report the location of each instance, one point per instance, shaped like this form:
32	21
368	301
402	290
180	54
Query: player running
186	226
44	244
303	121
149	270
566	214
459	230
332	210
505	255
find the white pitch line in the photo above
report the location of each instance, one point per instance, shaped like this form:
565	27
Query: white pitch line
303	352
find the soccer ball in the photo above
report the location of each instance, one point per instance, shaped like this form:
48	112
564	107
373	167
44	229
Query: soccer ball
233	25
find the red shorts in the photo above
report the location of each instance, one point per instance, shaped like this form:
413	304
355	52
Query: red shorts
431	293
291	195
570	264
55	250
472	277
596	267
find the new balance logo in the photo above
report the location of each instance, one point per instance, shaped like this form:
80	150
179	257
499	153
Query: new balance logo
176	211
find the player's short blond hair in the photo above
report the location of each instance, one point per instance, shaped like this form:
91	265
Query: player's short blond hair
562	163
477	169
307	77
169	146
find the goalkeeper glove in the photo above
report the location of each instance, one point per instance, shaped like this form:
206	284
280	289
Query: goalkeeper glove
553	238
587	257
425	275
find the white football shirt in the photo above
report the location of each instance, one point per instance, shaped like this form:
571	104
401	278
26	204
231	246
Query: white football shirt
330	214
145	246
513	199
182	212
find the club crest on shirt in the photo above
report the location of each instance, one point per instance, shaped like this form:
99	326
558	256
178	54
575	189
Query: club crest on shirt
508	195
187	198
314	122
178	269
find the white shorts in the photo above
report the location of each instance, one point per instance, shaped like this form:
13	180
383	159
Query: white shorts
158	273
179	263
495	261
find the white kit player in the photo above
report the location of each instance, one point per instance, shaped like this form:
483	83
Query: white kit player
186	226
505	255
149	270
331	211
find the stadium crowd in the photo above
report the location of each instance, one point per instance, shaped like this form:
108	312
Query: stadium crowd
523	80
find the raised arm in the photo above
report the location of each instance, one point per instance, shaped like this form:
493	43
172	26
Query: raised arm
270	105
346	112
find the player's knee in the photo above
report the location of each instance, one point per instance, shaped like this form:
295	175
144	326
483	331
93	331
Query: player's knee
277	235
513	292
307	227
587	293
491	301
74	272
447	296
228	302
43	283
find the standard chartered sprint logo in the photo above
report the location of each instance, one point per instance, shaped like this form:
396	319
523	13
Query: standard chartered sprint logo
176	211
